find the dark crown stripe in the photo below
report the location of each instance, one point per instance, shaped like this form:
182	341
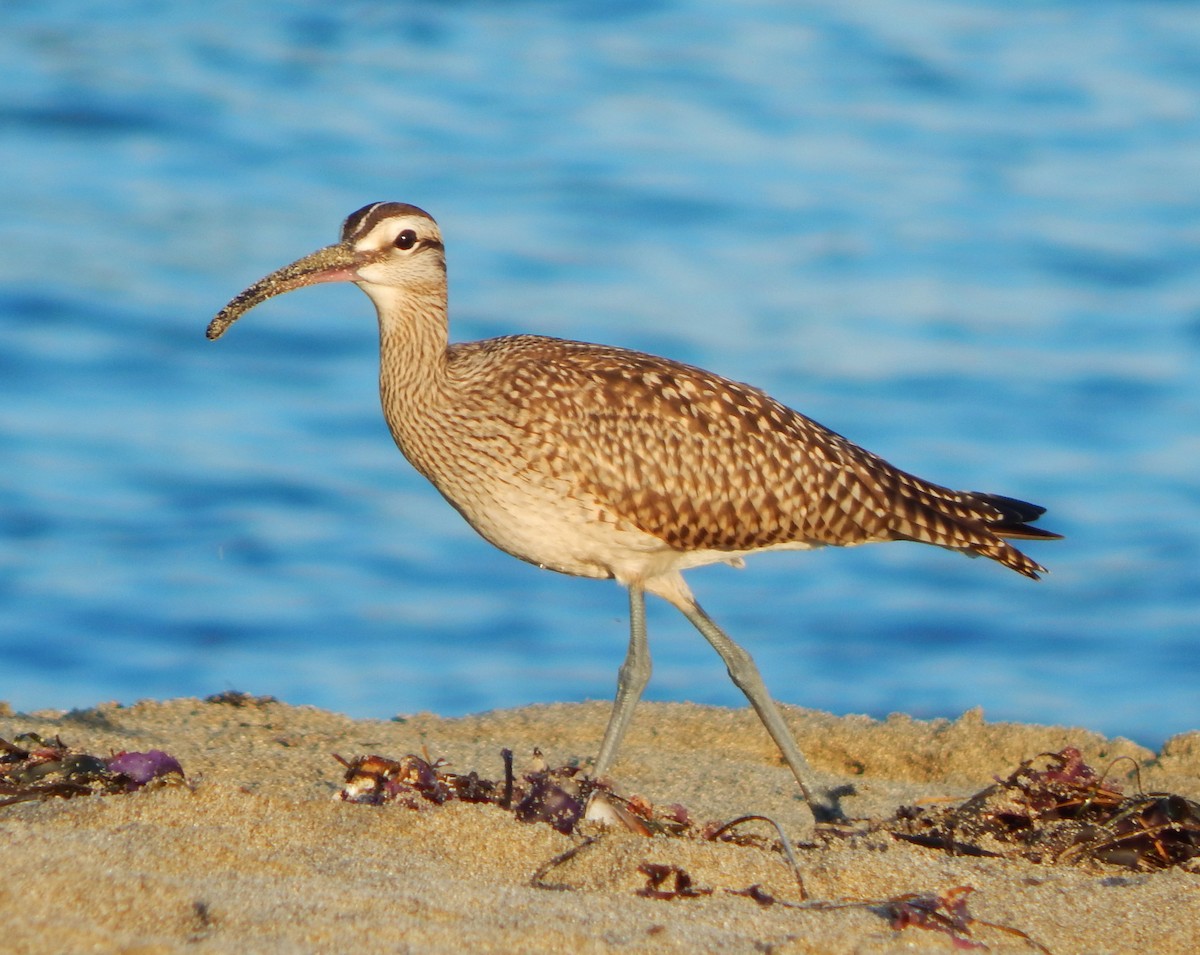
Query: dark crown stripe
359	223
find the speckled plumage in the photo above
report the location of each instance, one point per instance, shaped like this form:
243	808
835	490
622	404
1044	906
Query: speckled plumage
703	463
604	462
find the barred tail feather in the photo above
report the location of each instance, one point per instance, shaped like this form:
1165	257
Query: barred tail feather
969	521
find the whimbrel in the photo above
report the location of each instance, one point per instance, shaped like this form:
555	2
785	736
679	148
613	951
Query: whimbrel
609	463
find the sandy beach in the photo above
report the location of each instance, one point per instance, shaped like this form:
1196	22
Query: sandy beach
256	854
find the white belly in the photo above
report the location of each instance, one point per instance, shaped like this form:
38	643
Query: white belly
555	531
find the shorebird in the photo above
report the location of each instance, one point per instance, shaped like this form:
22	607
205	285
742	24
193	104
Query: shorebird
609	463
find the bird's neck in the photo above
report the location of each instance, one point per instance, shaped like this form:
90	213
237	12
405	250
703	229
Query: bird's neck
413	338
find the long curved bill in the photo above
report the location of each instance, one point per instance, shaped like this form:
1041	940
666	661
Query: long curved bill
334	263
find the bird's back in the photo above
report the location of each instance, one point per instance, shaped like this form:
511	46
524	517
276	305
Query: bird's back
703	463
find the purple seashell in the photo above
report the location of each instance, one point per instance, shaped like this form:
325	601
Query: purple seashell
140	768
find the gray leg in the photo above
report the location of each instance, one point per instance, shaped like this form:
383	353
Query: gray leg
631	680
745	674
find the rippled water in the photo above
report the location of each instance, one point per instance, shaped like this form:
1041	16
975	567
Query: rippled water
964	235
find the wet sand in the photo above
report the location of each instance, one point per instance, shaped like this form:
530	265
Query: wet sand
256	854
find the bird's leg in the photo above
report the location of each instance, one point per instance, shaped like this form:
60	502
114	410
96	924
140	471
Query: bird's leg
631	681
745	675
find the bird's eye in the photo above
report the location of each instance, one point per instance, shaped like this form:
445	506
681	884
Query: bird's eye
406	240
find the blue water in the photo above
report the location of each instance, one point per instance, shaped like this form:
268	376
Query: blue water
966	235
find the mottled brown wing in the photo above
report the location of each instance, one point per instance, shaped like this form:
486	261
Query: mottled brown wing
703	462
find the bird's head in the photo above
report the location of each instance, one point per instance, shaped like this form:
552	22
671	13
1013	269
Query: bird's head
387	249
